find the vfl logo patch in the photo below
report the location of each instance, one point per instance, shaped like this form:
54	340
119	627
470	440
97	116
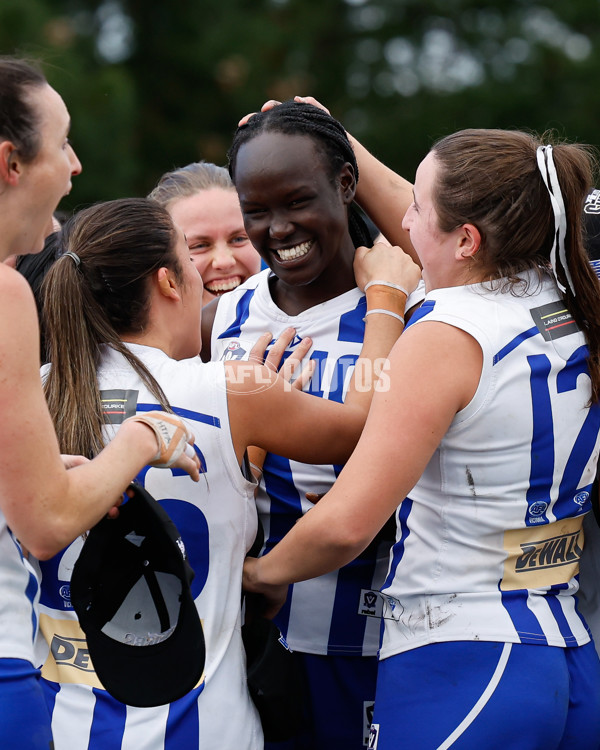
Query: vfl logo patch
537	510
370	604
118	405
553	320
65	594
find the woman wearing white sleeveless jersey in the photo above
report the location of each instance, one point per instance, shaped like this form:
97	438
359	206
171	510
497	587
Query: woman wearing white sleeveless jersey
283	162
42	505
123	313
488	459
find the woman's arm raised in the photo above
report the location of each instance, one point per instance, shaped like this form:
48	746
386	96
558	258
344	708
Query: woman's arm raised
45	505
265	411
404	427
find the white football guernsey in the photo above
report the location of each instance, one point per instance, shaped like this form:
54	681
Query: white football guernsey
489	540
217	520
19	601
337	613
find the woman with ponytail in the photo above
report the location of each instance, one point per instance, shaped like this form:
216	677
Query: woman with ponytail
487	460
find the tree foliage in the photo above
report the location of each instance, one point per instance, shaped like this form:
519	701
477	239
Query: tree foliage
155	85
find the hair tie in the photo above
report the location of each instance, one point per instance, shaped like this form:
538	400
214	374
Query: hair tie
75	257
545	162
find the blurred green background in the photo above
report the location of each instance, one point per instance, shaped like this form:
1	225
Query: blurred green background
152	85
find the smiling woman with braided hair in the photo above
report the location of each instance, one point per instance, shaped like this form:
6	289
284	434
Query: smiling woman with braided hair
296	175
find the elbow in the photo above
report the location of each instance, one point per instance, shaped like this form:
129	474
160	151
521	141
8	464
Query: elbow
44	543
347	542
43	552
44	549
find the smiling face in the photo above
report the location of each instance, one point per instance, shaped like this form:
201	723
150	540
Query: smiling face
218	243
46	179
295	216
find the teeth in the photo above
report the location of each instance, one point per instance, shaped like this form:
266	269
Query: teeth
224	285
289	253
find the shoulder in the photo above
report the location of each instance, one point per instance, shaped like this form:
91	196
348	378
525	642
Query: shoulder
17	304
474	309
13	285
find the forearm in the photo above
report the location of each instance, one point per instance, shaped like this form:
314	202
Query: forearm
308	550
384	322
73	501
385	196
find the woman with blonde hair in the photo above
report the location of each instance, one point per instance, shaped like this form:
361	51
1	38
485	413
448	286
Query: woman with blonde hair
202	200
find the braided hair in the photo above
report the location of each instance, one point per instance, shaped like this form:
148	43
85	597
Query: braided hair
329	136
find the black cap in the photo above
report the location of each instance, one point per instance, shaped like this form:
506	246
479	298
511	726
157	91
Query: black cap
131	591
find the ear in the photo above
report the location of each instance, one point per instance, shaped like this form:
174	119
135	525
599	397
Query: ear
469	242
167	284
10	167
347	182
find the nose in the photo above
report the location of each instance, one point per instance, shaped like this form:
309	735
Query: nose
406	220
75	163
280	227
222	256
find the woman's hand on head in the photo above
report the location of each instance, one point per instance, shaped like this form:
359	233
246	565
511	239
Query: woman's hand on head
384	262
313	101
274	102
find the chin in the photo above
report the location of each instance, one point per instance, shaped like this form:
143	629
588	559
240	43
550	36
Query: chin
34	248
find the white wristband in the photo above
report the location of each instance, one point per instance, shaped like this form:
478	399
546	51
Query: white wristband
385	312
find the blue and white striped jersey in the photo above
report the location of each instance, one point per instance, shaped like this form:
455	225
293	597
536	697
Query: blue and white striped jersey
338	613
217	521
489	540
19	602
